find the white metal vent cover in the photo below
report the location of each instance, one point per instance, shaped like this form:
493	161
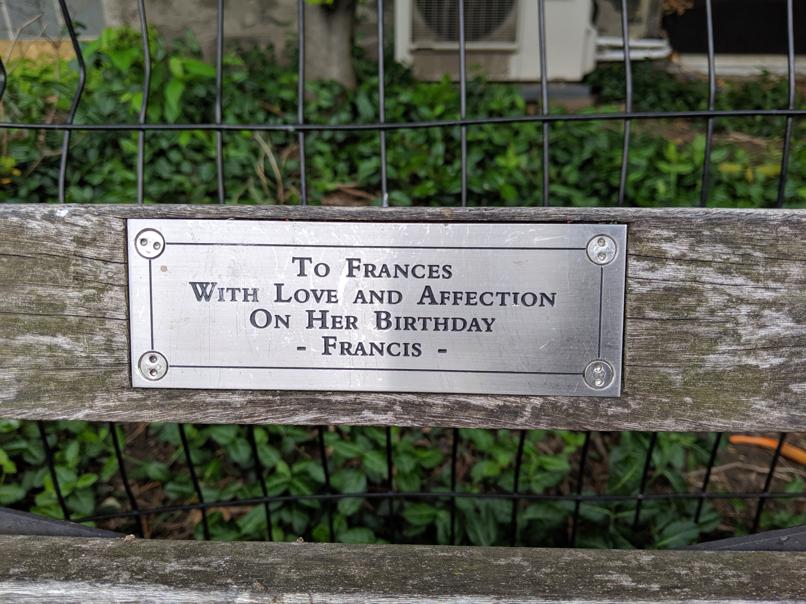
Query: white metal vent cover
436	22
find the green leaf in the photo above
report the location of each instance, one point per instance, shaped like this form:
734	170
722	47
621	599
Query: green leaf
8	466
253	522
375	463
240	452
277	485
11	493
123	58
175	65
349	481
349	505
356	535
481	527
555	463
82	503
71	453
420	514
429	458
198	68
594	513
677	534
223	434
485	469
156	470
347	449
173	98
86	480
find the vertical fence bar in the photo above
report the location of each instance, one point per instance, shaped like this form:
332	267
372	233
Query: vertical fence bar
390	484
250	436
382	106
303	180
544	95
194	479
583	460
707	478
513	529
4	76
768	482
454	455
463	98
328	486
125	478
71	114
653	439
219	92
709	122
141	135
625	151
790	68
54	477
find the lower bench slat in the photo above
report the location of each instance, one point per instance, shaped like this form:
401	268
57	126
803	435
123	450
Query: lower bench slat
68	569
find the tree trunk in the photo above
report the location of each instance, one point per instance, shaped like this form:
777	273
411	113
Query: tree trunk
329	42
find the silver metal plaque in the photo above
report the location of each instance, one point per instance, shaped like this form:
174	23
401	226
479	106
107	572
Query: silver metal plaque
461	308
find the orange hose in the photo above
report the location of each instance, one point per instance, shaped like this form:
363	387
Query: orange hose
789	451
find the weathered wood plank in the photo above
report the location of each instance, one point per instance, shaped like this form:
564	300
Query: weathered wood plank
66	569
715	334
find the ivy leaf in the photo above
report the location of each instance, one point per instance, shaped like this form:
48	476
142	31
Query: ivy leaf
253	522
8	466
198	68
11	493
356	535
173	98
123	58
420	514
677	534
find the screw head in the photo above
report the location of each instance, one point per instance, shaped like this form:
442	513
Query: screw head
599	374
153	365
149	243
602	249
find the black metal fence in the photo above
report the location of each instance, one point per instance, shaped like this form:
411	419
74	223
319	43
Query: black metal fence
301	128
390	493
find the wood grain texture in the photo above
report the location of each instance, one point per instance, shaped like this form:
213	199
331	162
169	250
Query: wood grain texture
715	334
70	569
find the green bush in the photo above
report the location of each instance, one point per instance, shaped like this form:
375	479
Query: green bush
423	163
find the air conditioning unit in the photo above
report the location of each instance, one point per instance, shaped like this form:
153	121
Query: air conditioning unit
501	38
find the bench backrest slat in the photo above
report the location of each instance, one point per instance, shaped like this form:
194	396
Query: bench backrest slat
715	327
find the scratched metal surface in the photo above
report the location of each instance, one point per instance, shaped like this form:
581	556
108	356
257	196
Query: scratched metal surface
464	308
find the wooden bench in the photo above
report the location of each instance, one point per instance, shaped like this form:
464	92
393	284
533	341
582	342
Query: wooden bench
715	339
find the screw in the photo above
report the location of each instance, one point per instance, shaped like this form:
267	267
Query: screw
149	243
153	365
601	249
599	374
